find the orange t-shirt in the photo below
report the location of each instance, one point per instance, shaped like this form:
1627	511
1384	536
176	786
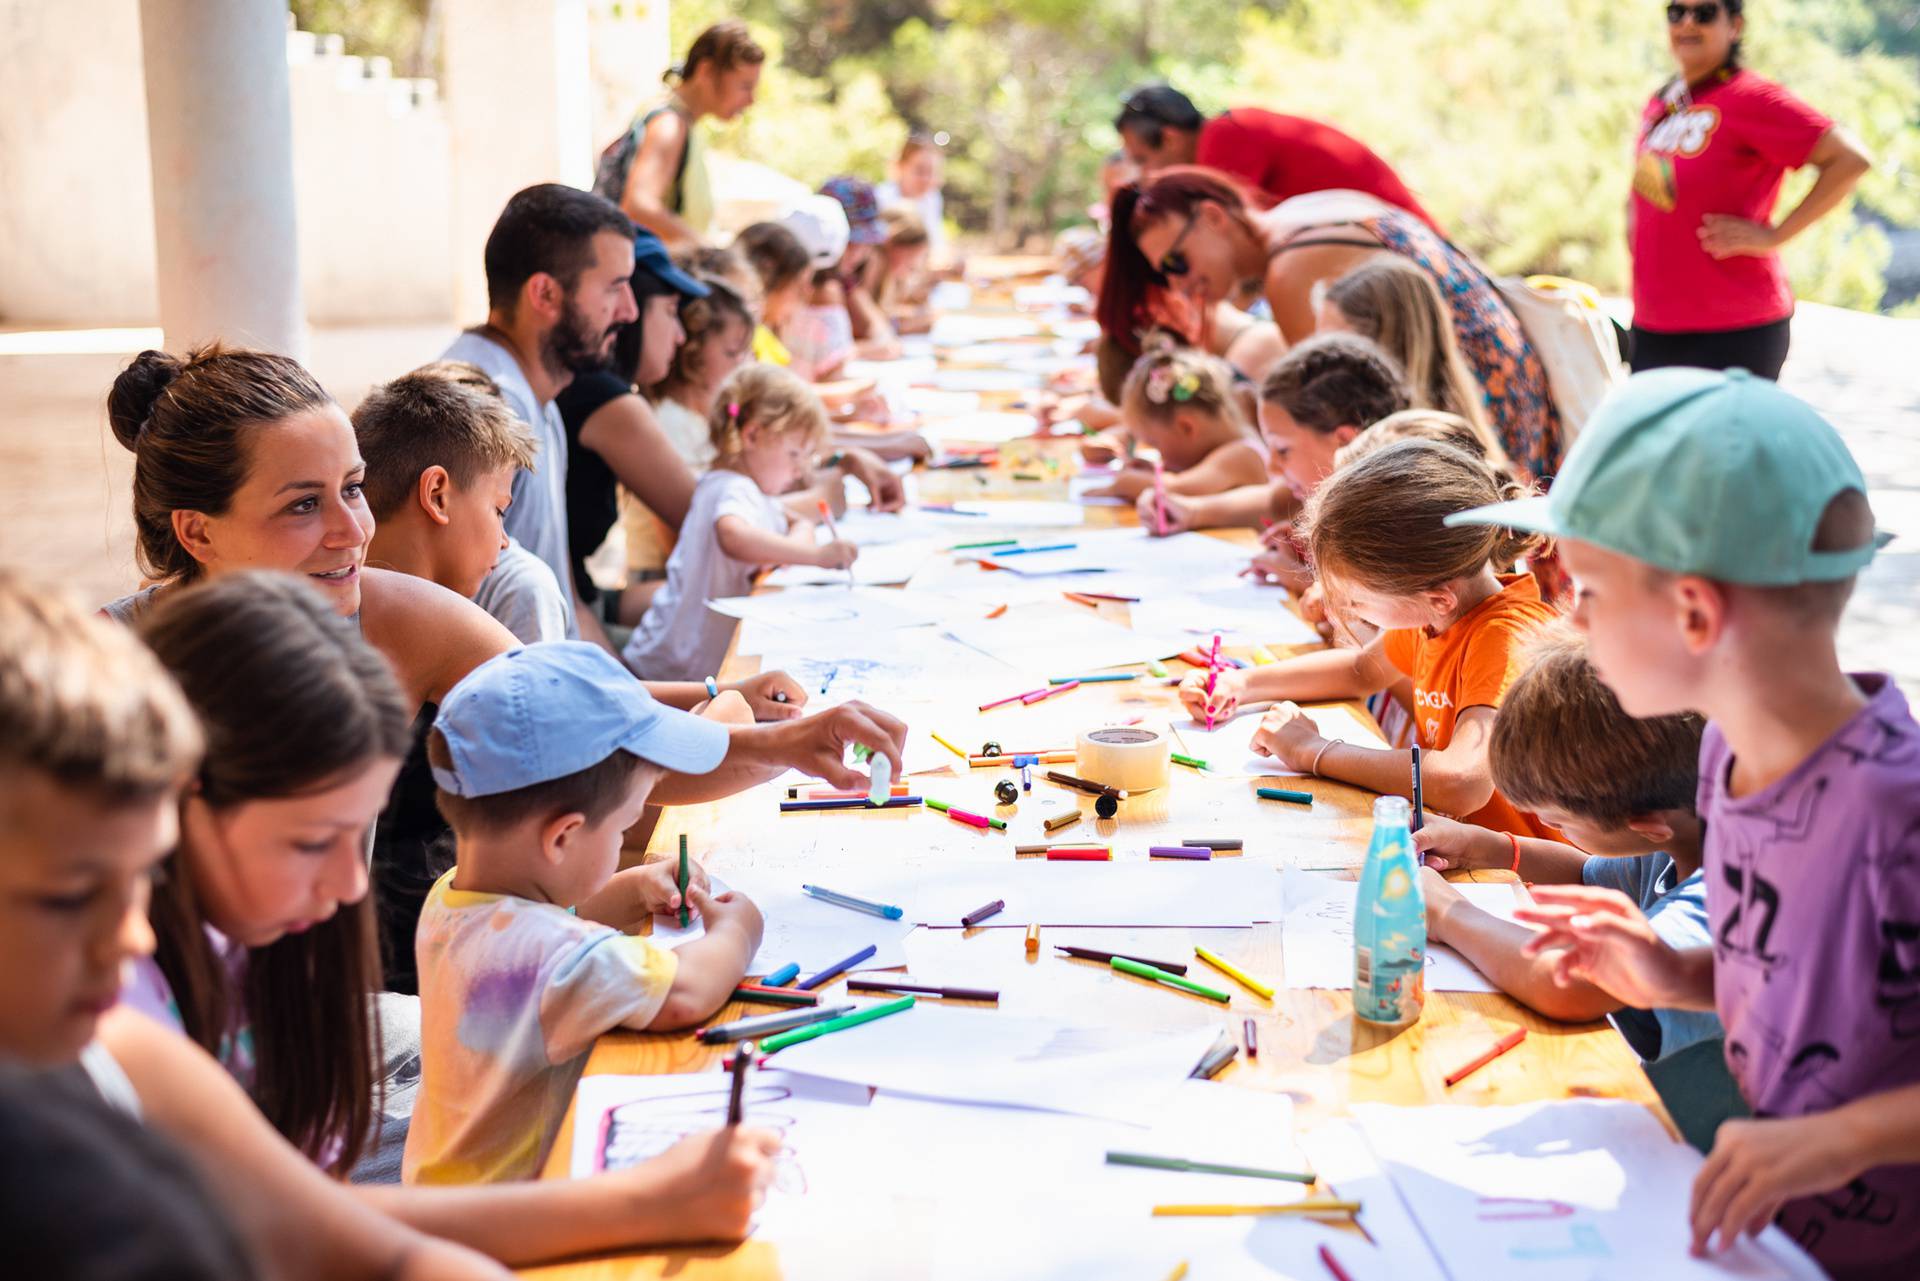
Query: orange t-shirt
1471	664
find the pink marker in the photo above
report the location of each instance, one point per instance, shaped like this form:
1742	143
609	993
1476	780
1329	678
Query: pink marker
1027	697
1159	498
1049	692
1213	672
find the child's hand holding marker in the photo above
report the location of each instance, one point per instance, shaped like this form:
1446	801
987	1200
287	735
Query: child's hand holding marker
1178	513
819	744
649	890
708	1185
835	553
773	696
1290	736
1462	847
1229	687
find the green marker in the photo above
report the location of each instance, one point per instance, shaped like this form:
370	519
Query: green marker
1158	975
1102	679
845	1021
1202	1167
683	880
991	542
1282	794
1192	762
1156	668
973	820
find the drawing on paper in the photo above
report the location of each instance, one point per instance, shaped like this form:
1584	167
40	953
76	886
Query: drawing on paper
642	1129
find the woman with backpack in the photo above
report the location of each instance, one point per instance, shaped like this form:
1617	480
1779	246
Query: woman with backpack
657	170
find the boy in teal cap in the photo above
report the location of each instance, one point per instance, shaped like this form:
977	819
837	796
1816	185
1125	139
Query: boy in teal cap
1713	525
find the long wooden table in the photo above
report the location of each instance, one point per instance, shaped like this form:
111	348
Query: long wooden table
1311	1047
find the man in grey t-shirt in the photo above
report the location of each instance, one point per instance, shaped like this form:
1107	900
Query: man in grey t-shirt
558	266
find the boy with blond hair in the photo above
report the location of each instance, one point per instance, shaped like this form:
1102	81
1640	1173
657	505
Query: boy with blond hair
1714	525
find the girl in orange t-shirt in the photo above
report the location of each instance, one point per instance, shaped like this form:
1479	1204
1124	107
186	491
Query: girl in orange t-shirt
1377	535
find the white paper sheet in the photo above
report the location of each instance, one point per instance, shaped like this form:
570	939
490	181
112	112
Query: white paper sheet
896	671
1055	638
1081	487
931	402
1238	611
801	929
1228	747
979	380
982	1056
652	1113
888	563
1232	892
960	331
1317	938
862	609
985	427
1573	1190
1340	1156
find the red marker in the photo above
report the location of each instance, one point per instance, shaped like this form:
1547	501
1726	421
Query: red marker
1498	1048
1079	856
1333	1265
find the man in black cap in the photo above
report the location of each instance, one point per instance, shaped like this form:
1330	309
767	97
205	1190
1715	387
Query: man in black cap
1274	156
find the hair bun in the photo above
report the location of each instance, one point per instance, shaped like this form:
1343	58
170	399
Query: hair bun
136	391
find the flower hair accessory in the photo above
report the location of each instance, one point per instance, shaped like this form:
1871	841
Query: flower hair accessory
1164	385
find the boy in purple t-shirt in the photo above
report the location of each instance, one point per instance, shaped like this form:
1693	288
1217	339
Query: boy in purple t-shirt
1714	524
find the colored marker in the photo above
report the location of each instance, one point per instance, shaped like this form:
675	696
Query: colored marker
1059	821
1192	658
1085	785
826	514
1214	843
1011	698
1124	600
1505	1043
1049	692
838	968
774	1044
1179	1272
1234	972
1070	855
1419	819
1081	598
1263	657
949	993
1347	1208
1156	668
1095	954
1033	939
1054	756
683	880
1148	1161
857	803
1179	851
1158	975
773	995
887	910
782	976
1191	762
759	1025
1025	765
1214	1061
949	746
962	816
980	914
991	542
737	1094
1045	847
1102	679
1029	551
1213	673
1332	1265
996	611
713	688
1249	1032
835	794
1283	794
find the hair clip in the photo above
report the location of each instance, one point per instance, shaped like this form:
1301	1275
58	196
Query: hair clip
733	410
1186	386
1159	383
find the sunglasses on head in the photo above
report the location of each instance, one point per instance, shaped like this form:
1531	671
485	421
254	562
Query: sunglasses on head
1703	14
1173	264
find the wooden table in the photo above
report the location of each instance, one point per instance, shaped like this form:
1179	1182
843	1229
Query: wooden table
1311	1047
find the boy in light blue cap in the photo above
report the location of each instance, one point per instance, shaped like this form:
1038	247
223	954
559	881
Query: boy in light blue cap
544	757
1713	525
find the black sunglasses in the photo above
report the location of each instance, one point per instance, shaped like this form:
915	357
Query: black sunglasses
1704	15
1173	263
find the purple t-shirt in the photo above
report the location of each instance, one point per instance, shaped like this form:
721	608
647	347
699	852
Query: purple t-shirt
1813	896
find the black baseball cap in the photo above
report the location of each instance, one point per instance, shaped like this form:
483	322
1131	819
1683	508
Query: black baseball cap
1161	104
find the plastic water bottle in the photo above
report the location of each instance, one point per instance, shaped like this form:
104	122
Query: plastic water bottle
1390	923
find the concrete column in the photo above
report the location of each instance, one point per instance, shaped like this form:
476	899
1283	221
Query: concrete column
518	93
221	134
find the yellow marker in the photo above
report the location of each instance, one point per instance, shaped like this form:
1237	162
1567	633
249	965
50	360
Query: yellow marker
1033	938
1262	656
1179	1272
1234	972
1224	1211
950	747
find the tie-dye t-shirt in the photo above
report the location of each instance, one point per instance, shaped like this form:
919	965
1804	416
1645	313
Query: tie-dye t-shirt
513	994
1813	895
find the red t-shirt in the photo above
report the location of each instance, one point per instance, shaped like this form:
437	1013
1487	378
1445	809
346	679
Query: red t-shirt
1283	156
1726	152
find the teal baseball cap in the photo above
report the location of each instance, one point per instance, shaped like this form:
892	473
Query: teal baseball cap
546	711
1696	471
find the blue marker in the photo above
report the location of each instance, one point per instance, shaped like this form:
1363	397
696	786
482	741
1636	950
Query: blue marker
1027	551
887	910
1026	764
838	968
782	976
713	688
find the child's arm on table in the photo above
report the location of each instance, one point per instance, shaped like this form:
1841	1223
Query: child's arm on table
1468	847
634	894
1323	676
746	542
1602	937
1227	470
711	965
1244	507
1495	947
1456	780
1756	1166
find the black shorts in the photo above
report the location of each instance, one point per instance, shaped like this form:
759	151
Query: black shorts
1761	349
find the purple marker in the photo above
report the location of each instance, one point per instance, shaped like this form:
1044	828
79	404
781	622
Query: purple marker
1179	851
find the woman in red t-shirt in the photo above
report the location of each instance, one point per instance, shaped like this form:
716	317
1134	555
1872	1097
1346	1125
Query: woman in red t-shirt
1709	288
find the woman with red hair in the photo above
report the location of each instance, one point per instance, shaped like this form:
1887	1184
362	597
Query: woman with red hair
1189	234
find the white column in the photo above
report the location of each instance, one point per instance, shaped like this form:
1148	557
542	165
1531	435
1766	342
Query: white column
221	134
517	86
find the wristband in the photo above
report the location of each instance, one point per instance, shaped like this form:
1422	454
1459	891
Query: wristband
713	688
835	459
1314	768
1515	841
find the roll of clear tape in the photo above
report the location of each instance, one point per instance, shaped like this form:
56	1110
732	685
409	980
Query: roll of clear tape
1124	756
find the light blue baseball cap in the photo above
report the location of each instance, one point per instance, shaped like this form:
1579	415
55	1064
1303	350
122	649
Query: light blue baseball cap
542	712
1701	472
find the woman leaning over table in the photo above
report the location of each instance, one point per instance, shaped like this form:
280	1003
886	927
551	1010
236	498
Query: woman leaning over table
1709	288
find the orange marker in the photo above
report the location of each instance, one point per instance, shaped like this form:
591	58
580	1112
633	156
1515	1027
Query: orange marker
996	611
1498	1048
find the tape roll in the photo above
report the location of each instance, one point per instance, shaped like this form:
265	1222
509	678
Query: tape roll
1124	756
